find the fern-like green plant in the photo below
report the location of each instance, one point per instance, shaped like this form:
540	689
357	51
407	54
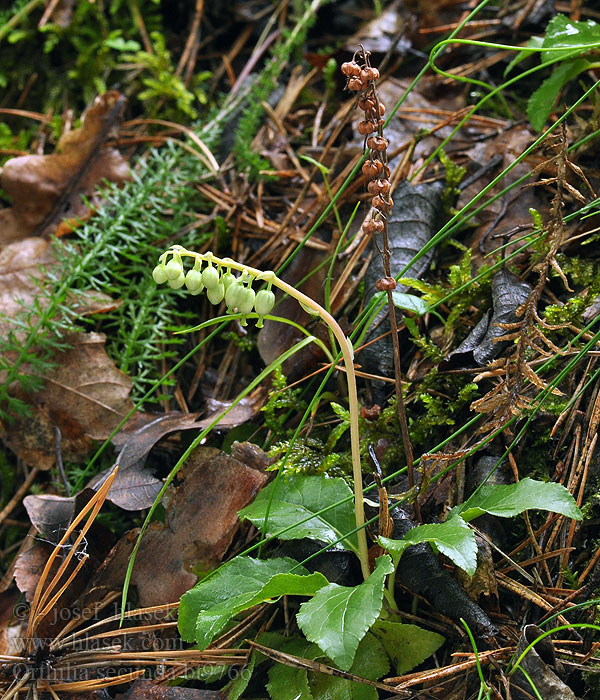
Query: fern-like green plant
161	81
107	254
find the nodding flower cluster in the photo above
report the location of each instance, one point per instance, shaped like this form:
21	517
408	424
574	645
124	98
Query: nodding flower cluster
218	281
362	79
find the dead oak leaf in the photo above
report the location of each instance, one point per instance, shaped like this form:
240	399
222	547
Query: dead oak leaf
47	188
85	397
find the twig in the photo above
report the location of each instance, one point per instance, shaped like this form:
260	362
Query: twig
8	508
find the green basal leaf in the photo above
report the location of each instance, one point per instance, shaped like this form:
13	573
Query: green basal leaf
338	617
542	101
299	497
238	685
242	583
509	500
562	32
288	683
371	662
454	538
406	645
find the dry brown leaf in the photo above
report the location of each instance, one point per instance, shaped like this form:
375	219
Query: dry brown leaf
200	523
85	397
386	32
21	277
135	487
47	188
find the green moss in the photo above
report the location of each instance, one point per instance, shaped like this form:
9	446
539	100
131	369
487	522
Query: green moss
581	273
454	175
281	403
442	403
308	456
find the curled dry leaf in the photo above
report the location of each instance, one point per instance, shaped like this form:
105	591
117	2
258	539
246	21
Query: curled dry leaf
47	188
85	397
509	292
51	516
135	487
386	32
542	668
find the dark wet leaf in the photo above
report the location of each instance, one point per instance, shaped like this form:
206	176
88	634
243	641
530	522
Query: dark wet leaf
508	293
241	413
412	223
251	455
147	690
422	573
540	664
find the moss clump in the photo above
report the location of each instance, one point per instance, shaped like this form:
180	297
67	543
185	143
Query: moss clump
308	456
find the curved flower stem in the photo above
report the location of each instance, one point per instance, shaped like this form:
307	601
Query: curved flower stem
347	351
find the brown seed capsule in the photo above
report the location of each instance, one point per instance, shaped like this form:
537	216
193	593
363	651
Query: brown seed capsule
366	127
377	143
367	104
369	227
372	168
372	114
386	172
379	187
351	69
381	202
385	284
356	84
369	74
